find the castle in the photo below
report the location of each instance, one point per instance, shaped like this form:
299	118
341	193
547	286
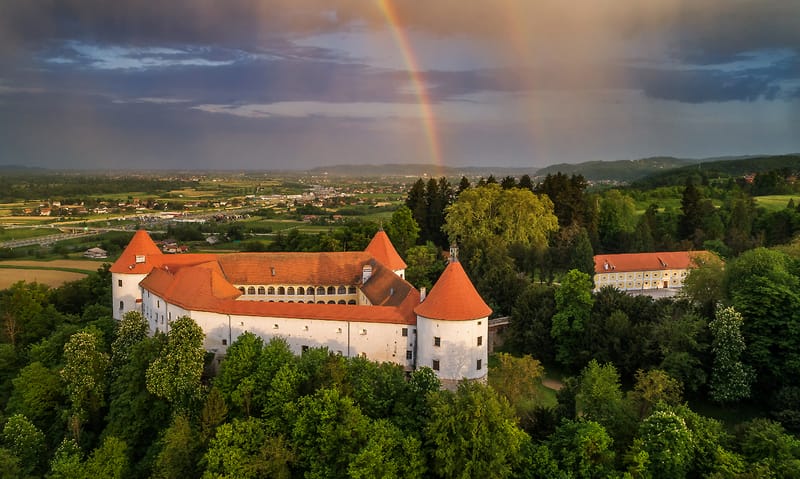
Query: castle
353	303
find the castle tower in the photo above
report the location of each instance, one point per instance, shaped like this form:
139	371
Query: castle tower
382	249
132	266
453	329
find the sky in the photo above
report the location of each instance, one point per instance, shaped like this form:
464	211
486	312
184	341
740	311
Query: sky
297	84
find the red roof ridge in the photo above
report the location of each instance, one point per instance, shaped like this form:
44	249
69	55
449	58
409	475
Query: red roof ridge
382	249
624	262
453	298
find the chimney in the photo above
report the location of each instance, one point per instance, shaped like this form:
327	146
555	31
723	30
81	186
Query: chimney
422	292
366	273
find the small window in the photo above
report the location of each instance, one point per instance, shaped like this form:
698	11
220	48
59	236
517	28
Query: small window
341	290
119	283
301	290
290	290
274	326
405	332
363	332
480	322
251	290
478	365
437	341
341	301
304	348
281	290
271	290
320	291
435	364
339	330
351	290
480	340
352	301
331	301
158	304
409	354
121	305
241	288
224	342
262	290
331	290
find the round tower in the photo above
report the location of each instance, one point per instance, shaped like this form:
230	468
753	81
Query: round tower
453	329
135	262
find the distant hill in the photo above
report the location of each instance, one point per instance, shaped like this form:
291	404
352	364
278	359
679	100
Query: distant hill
20	169
721	169
623	171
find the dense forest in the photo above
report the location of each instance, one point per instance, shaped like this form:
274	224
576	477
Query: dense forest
701	385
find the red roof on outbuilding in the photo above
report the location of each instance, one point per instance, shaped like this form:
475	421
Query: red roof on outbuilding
621	263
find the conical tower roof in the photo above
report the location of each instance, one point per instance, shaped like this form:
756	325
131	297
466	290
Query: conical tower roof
453	298
381	248
140	247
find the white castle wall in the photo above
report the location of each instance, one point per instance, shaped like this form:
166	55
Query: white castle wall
125	291
458	352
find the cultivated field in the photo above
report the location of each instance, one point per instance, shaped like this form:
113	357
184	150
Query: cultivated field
776	202
9	276
80	264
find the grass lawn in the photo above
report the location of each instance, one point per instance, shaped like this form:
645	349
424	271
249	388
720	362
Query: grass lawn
8	234
775	202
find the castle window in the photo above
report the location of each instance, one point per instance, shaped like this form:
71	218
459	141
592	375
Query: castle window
478	365
281	290
341	301
409	354
320	291
363	332
435	365
331	290
119	283
301	290
310	290
274	326
352	301
320	302
224	342
121	305
304	348
290	291
158	304
437	341
480	340
351	290
404	332
241	288
262	291
341	290
251	290
271	290
331	302
339	330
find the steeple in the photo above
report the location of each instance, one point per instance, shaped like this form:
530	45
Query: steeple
453	298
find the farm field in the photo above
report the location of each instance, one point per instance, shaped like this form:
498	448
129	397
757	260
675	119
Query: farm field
79	264
775	202
9	276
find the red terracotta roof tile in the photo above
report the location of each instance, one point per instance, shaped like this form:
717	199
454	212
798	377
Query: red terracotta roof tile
294	268
453	297
141	247
383	250
607	263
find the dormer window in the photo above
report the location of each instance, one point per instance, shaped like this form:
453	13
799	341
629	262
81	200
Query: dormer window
140	258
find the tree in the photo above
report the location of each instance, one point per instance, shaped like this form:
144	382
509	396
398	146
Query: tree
243	449
26	442
403	230
651	388
235	379
67	462
37	395
573	307
388	453
692	218
84	372
175	374
617	220
473	433
703	284
531	322
517	379
525	182
508	182
668	443
599	398
417	203
179	451
488	214
425	264
464	185
583	448
329	431
132	329
766	442
730	378
110	460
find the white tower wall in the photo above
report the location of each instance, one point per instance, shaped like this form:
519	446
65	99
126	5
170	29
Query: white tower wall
124	293
462	351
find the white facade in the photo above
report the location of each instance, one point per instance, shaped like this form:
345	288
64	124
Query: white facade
125	292
633	280
453	349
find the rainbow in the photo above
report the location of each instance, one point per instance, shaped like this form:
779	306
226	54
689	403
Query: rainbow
414	75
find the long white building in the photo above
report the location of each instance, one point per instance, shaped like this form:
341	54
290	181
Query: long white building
645	271
353	303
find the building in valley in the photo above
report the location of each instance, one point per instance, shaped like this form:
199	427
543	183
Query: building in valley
645	272
353	303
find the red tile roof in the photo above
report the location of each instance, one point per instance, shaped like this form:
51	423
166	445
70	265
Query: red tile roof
453	297
382	249
294	268
607	263
141	245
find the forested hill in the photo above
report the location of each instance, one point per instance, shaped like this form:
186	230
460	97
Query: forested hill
721	169
622	170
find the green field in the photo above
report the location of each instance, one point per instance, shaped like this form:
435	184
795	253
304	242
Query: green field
9	234
776	202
